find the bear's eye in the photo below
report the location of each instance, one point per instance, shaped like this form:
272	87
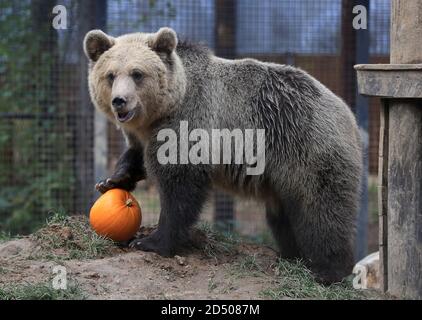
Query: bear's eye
137	75
110	78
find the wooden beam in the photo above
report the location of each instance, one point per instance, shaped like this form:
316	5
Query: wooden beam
390	80
404	212
400	190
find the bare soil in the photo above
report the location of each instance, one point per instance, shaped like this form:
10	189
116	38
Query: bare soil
123	273
217	266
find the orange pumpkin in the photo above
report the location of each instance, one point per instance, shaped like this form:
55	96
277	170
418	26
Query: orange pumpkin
116	215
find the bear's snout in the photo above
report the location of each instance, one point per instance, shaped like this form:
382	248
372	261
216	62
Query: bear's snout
118	103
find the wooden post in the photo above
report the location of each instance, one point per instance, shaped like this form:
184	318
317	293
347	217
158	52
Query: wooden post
348	53
383	195
100	121
362	114
225	28
400	202
91	14
405	160
225	46
355	49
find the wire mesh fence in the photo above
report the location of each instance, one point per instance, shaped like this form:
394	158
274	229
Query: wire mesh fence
53	146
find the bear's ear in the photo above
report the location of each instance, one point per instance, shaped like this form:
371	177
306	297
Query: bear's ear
96	43
165	40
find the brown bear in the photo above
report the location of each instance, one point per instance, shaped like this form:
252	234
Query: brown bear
149	82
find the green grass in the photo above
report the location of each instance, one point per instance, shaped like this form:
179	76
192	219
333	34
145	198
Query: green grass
248	265
5	236
217	242
212	285
294	280
40	291
70	237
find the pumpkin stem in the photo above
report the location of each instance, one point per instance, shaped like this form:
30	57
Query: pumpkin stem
129	202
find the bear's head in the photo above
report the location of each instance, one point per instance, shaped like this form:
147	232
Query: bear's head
135	79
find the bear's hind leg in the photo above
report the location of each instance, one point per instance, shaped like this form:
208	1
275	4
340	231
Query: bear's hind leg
324	233
281	228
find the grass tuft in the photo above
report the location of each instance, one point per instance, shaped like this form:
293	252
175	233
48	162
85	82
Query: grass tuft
249	265
217	242
70	237
5	236
40	291
294	280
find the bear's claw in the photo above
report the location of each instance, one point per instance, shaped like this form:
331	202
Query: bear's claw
121	181
150	244
105	185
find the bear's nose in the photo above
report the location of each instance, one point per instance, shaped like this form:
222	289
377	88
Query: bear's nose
118	103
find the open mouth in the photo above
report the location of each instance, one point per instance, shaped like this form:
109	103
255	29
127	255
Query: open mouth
125	116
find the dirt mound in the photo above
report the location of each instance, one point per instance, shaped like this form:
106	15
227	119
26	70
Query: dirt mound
217	267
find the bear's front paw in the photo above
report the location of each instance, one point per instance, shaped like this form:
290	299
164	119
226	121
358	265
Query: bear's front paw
105	185
115	182
152	243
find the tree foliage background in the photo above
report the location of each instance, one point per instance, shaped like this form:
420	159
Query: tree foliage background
35	177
